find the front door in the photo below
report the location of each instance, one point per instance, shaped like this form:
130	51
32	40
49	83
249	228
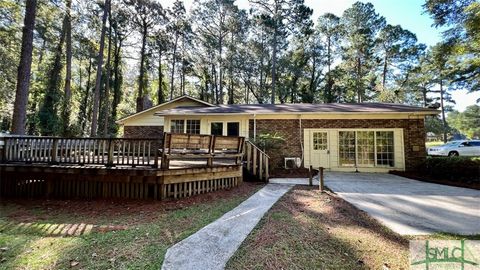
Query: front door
320	151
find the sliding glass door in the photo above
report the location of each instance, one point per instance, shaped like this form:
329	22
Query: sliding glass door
346	145
366	148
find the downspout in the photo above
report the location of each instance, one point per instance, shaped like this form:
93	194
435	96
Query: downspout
254	127
301	138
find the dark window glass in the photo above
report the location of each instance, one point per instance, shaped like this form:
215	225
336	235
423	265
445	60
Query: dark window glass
233	129
217	129
475	143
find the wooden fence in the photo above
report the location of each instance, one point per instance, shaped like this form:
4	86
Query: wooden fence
84	151
256	161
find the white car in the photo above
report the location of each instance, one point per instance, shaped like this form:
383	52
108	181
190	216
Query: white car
456	148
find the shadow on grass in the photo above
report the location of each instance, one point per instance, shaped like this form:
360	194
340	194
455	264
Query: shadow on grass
309	230
36	240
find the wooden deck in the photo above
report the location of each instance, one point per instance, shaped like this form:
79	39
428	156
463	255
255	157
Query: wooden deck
88	182
110	168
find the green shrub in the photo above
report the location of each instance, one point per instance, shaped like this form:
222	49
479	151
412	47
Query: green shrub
452	168
269	141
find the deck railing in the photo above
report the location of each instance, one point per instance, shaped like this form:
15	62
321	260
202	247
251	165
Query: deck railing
256	161
83	151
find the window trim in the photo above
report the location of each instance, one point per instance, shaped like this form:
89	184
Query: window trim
225	126
375	165
185	123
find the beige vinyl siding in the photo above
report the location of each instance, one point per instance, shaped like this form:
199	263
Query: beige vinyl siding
148	118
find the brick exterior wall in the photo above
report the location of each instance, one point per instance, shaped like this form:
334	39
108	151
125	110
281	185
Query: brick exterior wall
413	134
143	131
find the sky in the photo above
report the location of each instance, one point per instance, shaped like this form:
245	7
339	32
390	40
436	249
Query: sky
407	13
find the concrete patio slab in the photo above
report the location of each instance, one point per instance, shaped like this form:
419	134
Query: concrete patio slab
212	246
410	207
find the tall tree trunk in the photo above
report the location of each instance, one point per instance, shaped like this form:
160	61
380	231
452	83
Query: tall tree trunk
424	95
141	77
96	97
444	121
118	78
174	58
48	113
68	71
274	65
107	81
358	79
160	95
220	68
384	73
24	69
83	107
312	77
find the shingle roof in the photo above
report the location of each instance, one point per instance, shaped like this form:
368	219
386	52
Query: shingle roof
300	108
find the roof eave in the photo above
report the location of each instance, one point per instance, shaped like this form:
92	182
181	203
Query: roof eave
121	121
296	113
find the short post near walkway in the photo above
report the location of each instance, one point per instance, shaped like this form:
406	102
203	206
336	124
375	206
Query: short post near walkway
310	176
320	179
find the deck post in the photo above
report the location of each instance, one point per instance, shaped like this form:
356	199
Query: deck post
267	174
3	151
54	151
156	147
110	153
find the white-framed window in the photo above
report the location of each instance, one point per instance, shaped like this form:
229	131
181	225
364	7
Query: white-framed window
346	148
233	129
190	126
216	128
225	128
385	148
177	126
193	127
320	141
366	148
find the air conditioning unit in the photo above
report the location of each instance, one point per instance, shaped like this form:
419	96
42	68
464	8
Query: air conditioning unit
293	162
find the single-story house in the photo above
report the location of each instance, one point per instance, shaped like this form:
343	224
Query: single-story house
368	137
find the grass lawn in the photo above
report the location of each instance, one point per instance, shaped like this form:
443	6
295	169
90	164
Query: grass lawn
310	230
40	234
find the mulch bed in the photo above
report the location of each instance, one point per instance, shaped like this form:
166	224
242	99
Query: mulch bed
426	178
132	211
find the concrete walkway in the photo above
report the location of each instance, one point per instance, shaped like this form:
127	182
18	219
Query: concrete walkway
212	246
407	206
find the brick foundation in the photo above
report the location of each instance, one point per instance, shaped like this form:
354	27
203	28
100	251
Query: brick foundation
413	133
143	131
